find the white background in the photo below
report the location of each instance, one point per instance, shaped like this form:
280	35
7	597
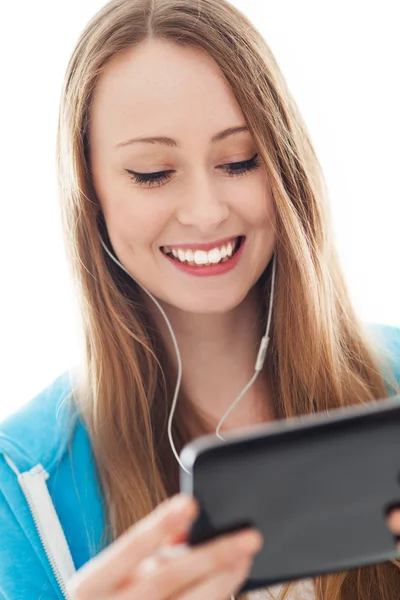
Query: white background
341	63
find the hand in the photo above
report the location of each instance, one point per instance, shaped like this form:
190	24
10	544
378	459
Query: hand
393	521
130	569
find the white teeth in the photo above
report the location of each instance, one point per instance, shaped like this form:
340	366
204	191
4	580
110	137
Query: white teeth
214	256
189	254
200	257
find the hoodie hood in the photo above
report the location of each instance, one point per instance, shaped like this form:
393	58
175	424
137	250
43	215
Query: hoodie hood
47	477
39	432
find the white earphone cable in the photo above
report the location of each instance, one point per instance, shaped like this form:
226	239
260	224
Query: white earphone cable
260	357
258	365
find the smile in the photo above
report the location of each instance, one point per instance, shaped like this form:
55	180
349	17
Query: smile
204	258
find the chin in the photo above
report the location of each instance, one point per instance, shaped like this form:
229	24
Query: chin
207	303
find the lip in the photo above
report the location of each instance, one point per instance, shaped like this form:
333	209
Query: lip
210	270
204	245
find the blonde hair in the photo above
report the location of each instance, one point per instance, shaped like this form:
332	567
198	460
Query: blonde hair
319	356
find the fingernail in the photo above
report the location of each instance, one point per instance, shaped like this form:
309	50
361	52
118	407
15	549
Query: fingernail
252	542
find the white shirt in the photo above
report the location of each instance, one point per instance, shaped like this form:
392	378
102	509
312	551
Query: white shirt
303	590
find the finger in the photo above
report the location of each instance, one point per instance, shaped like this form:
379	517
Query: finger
160	578
393	521
222	585
219	584
177	538
114	566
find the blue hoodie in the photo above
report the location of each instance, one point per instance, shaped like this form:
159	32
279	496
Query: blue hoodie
51	504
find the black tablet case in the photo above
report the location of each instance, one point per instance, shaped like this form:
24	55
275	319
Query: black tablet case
317	487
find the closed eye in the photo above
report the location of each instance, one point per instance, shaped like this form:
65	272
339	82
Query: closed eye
232	169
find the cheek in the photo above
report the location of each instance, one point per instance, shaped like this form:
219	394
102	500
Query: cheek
138	223
255	204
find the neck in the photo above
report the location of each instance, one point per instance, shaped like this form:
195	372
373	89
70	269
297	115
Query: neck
218	353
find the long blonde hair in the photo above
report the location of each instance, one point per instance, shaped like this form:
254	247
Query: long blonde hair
319	356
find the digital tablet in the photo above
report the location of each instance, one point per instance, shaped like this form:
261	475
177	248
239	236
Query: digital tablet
318	487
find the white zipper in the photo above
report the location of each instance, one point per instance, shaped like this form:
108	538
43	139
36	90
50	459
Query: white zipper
48	526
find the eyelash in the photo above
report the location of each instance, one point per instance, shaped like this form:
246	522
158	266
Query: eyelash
233	170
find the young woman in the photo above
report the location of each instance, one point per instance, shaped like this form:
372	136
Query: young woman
195	215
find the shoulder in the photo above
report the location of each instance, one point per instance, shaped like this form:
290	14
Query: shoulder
40	430
385	341
47	432
389	335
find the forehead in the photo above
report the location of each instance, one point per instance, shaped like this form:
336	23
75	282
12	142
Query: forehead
159	88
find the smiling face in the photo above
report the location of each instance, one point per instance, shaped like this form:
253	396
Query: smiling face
200	205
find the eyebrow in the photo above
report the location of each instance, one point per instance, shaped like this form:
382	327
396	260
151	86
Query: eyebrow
171	143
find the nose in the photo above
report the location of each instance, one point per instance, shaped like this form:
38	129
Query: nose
203	207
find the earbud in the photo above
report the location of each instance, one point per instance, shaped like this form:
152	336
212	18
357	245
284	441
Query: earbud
257	367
